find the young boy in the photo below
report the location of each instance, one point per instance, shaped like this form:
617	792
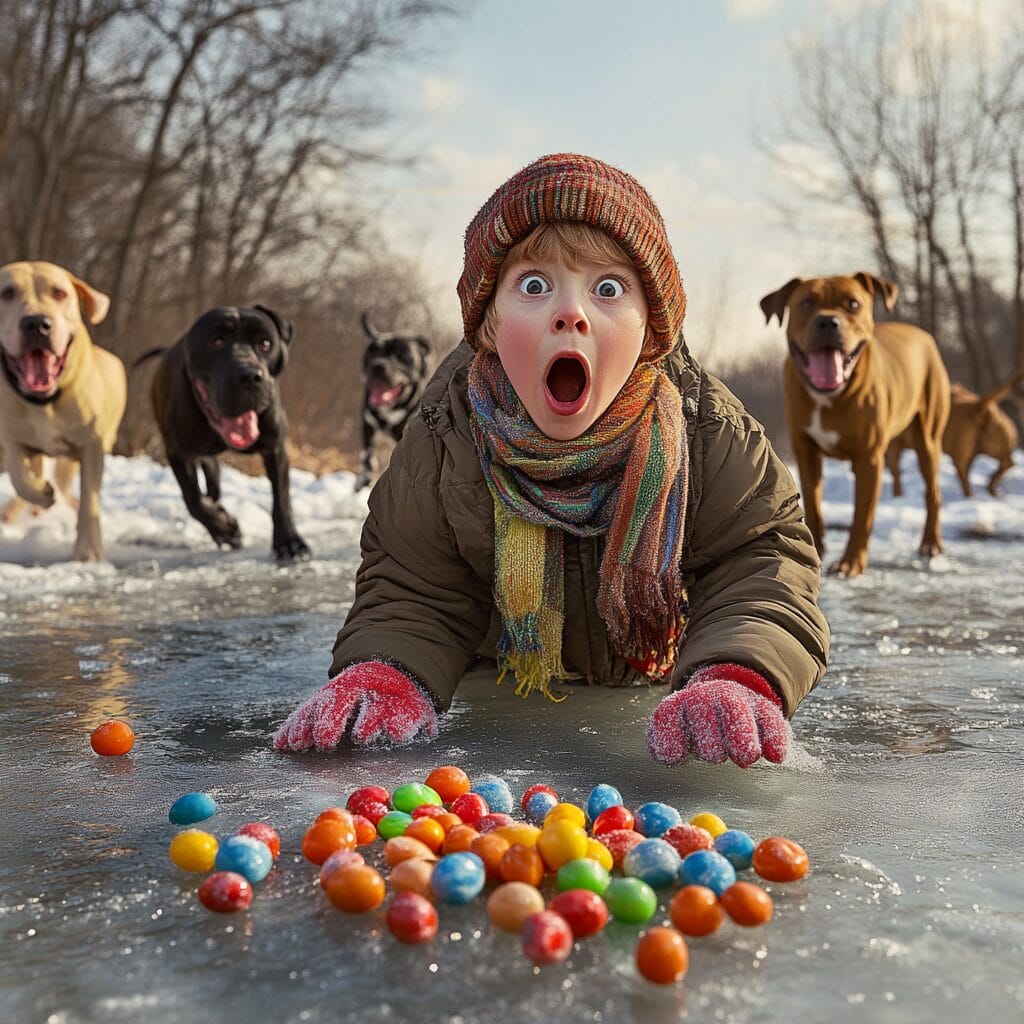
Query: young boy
579	500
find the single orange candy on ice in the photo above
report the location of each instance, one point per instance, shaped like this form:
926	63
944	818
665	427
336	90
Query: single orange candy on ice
326	836
780	860
747	904
355	889
448	782
112	738
662	956
695	910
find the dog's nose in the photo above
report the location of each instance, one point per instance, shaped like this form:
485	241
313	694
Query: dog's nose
828	325
250	376
37	325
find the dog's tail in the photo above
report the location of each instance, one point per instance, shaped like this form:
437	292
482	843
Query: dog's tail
1002	391
149	355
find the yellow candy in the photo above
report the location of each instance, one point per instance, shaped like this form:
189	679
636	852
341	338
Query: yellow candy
193	850
520	832
711	822
596	850
566	812
562	841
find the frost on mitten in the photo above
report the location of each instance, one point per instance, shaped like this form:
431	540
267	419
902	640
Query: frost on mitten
725	712
374	702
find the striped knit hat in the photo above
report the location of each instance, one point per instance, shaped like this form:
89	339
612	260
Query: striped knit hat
567	187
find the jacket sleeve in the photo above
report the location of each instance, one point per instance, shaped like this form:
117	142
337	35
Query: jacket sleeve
418	603
754	571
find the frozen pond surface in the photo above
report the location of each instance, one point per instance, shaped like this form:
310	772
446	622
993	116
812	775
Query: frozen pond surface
906	786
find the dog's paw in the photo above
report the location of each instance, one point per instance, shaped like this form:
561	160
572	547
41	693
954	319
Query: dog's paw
292	549
47	496
847	568
224	528
930	548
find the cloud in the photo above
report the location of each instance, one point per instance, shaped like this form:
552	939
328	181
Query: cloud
439	96
752	10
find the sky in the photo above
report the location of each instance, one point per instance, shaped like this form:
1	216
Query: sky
672	91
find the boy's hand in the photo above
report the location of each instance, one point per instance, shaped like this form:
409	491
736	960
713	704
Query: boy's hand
724	711
376	703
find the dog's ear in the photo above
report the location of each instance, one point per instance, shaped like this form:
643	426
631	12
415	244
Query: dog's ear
774	304
886	289
95	305
285	330
372	334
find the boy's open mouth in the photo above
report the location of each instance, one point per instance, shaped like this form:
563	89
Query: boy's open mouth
567	383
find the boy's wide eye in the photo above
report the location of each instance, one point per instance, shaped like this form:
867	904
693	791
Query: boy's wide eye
533	284
609	288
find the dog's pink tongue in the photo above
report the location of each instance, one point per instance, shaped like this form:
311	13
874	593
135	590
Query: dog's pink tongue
825	368
39	369
382	396
241	431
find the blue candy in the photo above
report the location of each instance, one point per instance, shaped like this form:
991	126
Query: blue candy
245	855
736	847
496	792
601	798
458	878
655	819
192	807
538	805
706	867
652	861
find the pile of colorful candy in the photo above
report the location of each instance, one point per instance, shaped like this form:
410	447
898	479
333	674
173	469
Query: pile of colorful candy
447	839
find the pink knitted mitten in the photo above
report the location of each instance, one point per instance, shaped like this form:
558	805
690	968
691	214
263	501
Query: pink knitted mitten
376	703
724	711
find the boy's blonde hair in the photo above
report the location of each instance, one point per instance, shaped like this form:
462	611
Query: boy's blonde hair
570	244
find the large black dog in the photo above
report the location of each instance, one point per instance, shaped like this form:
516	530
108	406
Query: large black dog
394	375
216	389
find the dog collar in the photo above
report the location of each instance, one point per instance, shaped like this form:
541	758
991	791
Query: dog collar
34	399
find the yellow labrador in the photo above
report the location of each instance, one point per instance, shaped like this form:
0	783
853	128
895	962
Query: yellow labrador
60	395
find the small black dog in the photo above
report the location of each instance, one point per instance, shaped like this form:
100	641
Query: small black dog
394	375
215	389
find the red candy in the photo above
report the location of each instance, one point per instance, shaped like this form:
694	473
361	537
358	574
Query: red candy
611	819
411	918
583	909
112	738
539	788
489	822
546	937
620	842
469	807
265	833
368	802
687	838
225	891
429	811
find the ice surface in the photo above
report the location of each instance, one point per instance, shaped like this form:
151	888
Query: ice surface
905	784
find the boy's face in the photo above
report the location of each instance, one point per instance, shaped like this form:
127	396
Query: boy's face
568	339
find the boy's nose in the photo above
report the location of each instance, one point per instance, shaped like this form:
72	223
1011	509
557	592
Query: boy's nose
570	317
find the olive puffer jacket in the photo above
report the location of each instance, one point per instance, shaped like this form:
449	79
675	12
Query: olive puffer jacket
424	589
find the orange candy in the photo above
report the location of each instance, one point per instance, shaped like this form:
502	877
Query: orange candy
427	831
448	782
366	831
662	956
112	738
747	904
512	903
695	910
490	849
522	864
400	848
413	875
448	821
327	835
459	839
355	889
780	860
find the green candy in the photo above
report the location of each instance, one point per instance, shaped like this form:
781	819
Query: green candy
583	873
394	823
412	795
630	900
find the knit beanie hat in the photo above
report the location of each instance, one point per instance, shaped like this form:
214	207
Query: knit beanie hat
569	188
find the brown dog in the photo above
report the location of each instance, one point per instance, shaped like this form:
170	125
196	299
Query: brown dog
60	395
851	386
977	426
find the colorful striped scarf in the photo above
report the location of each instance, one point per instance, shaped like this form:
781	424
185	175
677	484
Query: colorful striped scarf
626	478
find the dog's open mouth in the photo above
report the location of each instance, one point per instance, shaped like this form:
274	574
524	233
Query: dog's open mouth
37	371
238	432
382	394
567	384
828	369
